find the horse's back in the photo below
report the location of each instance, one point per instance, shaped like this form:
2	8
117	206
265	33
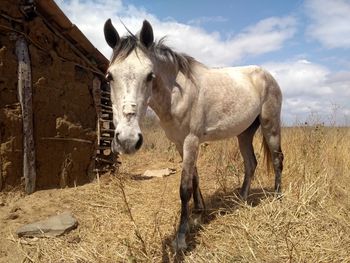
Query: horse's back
231	98
254	80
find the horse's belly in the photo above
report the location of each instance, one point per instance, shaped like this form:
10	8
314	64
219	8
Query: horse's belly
229	123
226	131
230	106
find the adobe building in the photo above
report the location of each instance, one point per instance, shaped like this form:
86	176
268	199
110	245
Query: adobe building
55	112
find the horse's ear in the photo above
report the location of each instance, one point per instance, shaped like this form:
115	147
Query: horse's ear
111	34
146	34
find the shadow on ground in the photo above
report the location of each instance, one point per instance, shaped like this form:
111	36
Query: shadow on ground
217	204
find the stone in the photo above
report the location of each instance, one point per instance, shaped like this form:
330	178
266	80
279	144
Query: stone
74	239
12	216
15	209
159	173
52	227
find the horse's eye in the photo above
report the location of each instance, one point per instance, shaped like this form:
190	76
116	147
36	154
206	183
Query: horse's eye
150	76
109	77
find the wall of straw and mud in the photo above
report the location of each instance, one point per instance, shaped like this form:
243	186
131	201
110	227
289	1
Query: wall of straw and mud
64	115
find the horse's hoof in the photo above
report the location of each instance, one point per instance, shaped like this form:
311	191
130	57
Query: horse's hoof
196	221
243	196
278	195
179	243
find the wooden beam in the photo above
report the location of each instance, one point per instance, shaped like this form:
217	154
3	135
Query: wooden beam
25	96
67	139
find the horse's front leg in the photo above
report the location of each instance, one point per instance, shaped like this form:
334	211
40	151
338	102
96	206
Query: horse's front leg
190	152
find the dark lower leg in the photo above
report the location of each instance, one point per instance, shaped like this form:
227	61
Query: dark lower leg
190	152
247	151
185	195
199	205
245	187
249	167
278	167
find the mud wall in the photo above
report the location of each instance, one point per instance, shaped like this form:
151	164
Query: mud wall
63	106
10	117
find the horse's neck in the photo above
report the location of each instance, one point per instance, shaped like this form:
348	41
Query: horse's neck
161	98
163	87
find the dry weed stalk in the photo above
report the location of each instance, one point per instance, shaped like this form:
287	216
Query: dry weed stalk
309	224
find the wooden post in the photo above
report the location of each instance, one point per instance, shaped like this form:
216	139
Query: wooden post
0	166
26	101
96	93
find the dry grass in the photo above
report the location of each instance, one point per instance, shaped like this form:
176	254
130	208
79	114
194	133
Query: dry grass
124	218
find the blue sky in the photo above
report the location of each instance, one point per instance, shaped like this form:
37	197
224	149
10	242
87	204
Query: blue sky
305	44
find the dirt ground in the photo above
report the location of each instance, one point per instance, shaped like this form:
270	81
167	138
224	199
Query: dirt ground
128	218
86	203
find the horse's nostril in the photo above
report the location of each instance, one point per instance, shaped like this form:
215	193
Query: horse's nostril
113	148
116	139
139	142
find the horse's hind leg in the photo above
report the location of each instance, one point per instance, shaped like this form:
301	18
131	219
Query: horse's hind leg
245	141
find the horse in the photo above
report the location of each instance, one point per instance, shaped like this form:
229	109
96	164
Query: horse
194	104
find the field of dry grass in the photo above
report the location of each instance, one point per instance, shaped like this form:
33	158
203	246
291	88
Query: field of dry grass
126	218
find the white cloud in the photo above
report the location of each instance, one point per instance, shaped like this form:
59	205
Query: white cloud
330	22
307	87
208	47
300	77
207	19
311	88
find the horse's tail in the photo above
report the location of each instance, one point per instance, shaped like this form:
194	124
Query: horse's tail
267	155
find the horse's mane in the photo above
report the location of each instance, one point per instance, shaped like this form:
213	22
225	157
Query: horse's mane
158	51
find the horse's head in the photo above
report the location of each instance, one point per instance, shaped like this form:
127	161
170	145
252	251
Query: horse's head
130	76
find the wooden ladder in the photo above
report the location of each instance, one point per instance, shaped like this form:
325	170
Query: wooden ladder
105	160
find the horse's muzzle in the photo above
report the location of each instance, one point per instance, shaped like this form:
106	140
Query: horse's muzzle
124	145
